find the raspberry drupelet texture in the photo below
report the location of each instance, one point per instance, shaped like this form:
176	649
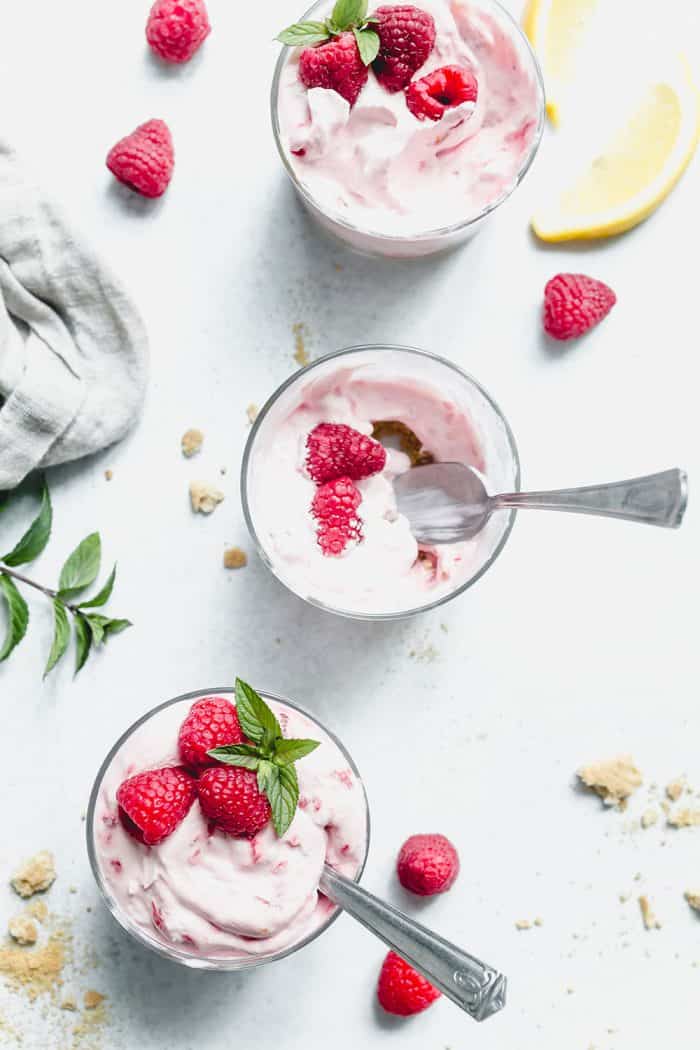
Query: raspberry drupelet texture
575	303
401	990
336	65
230	799
335	450
176	29
144	159
406	38
335	509
154	803
427	864
443	89
212	722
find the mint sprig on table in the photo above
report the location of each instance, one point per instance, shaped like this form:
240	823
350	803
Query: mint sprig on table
348	15
271	755
79	572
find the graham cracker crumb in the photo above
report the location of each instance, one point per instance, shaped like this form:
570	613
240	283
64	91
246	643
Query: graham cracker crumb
300	353
235	558
674	790
37	970
650	920
693	899
252	412
191	442
539	921
109	474
35	876
409	442
38	910
684	818
649	818
204	498
69	1003
523	924
22	929
91	999
614	780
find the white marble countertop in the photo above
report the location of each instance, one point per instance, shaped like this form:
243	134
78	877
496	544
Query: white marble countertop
581	642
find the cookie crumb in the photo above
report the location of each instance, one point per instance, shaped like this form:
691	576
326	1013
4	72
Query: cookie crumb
300	352
235	558
674	790
523	924
252	412
69	1003
204	498
191	442
38	911
539	921
22	929
613	780
92	999
649	818
109	474
650	920
684	818
693	899
35	876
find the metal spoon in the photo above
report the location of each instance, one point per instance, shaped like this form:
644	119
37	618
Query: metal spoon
476	988
448	502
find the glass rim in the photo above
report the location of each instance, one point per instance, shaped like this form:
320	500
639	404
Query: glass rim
173	953
438	231
306	370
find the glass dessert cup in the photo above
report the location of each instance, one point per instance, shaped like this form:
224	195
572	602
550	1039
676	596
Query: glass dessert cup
416	240
422	370
177	953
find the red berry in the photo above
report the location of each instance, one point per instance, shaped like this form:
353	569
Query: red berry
335	450
154	803
336	65
401	990
230	798
406	38
176	28
212	722
574	303
441	90
335	509
144	160
427	864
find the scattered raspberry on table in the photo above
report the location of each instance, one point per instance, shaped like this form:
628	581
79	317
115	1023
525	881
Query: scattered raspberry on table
427	864
176	29
144	160
401	990
575	303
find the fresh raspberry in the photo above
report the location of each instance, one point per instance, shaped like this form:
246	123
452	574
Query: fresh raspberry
401	990
230	798
177	28
144	160
154	803
212	722
336	65
427	864
574	303
335	450
335	508
441	90
406	38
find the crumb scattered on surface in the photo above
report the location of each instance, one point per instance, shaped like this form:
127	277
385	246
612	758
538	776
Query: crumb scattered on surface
37	970
301	355
614	780
425	654
205	498
35	876
92	999
693	899
69	1002
191	442
674	790
235	558
649	818
252	412
684	818
523	924
22	929
650	920
38	910
109	474
539	921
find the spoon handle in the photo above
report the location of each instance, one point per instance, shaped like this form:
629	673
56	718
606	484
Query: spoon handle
476	988
658	499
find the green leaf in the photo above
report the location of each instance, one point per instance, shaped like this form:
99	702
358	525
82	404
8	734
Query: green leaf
349	13
37	535
288	751
367	44
267	775
18	616
104	595
97	628
83	641
223	754
283	795
254	715
116	627
304	34
61	635
4	500
82	567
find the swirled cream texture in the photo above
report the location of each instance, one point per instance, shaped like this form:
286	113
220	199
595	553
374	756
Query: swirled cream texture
379	168
211	895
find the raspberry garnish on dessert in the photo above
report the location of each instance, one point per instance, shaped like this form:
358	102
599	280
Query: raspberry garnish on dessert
212	722
575	303
406	38
154	803
176	29
401	990
144	160
335	509
231	799
427	864
334	450
443	89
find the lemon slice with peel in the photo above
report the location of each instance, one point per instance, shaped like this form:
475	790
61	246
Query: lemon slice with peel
557	29
637	170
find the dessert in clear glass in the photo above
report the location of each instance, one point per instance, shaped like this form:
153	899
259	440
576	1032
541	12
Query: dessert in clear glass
421	408
397	180
216	900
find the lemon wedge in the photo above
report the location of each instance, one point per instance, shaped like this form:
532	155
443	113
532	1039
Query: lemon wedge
556	29
636	171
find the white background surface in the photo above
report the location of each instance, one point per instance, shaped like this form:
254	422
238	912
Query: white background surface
580	642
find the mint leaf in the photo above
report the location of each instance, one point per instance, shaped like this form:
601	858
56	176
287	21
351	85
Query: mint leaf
268	774
37	535
61	635
116	626
223	754
97	628
4	500
283	795
367	44
82	567
256	719
348	13
304	34
104	595
83	641
18	616
288	751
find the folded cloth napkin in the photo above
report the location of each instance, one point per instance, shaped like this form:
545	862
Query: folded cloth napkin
72	346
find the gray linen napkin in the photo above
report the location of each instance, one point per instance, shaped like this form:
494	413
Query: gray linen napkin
73	348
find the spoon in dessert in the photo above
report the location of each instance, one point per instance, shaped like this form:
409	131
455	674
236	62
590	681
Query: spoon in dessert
478	989
448	502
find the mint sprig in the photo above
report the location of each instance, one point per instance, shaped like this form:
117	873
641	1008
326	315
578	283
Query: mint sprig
347	15
271	756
